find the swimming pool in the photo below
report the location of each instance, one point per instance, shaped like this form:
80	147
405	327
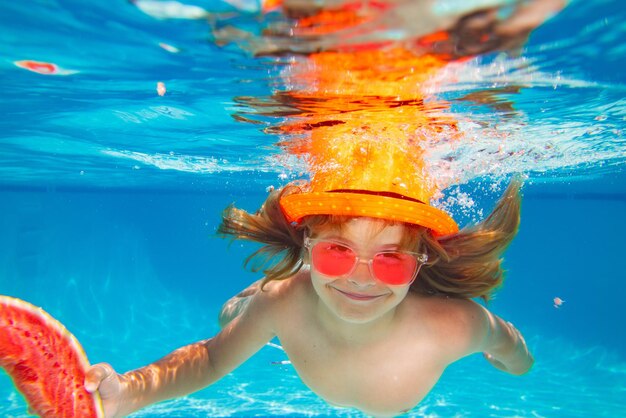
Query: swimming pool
110	196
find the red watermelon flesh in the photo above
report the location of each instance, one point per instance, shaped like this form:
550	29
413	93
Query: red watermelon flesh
45	362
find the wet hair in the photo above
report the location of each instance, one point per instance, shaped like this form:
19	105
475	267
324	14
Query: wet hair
466	264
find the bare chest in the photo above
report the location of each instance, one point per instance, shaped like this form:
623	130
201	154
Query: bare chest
378	378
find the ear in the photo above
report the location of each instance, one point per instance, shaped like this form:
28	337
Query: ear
304	252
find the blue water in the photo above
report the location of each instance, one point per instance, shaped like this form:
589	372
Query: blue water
110	196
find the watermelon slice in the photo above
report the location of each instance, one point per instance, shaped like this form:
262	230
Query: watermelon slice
45	362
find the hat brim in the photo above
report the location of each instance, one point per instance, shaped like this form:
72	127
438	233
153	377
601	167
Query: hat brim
297	206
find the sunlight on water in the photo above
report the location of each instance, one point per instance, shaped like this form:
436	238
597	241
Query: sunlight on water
186	163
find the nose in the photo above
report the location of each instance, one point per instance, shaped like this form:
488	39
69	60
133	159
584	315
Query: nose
362	276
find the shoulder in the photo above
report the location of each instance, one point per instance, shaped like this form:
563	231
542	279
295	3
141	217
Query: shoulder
458	325
280	295
450	311
277	290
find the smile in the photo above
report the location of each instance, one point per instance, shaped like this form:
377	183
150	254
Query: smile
358	296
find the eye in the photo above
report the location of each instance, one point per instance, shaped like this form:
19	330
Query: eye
392	256
338	248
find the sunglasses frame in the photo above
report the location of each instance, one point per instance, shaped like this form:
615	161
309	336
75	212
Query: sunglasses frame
421	259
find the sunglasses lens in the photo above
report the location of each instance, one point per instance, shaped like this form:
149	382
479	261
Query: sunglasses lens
332	259
394	268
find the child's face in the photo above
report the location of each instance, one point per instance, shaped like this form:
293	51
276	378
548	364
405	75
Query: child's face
360	297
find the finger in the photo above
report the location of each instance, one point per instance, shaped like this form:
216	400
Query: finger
97	374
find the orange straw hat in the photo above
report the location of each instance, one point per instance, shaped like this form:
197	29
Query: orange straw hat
371	176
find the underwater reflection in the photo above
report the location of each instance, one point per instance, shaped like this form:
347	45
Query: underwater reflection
365	77
346	106
451	29
378	72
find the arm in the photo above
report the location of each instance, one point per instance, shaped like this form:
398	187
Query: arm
187	369
504	346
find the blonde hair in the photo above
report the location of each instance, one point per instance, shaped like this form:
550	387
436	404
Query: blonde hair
467	264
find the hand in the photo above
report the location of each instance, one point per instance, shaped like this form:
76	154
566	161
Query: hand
102	378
